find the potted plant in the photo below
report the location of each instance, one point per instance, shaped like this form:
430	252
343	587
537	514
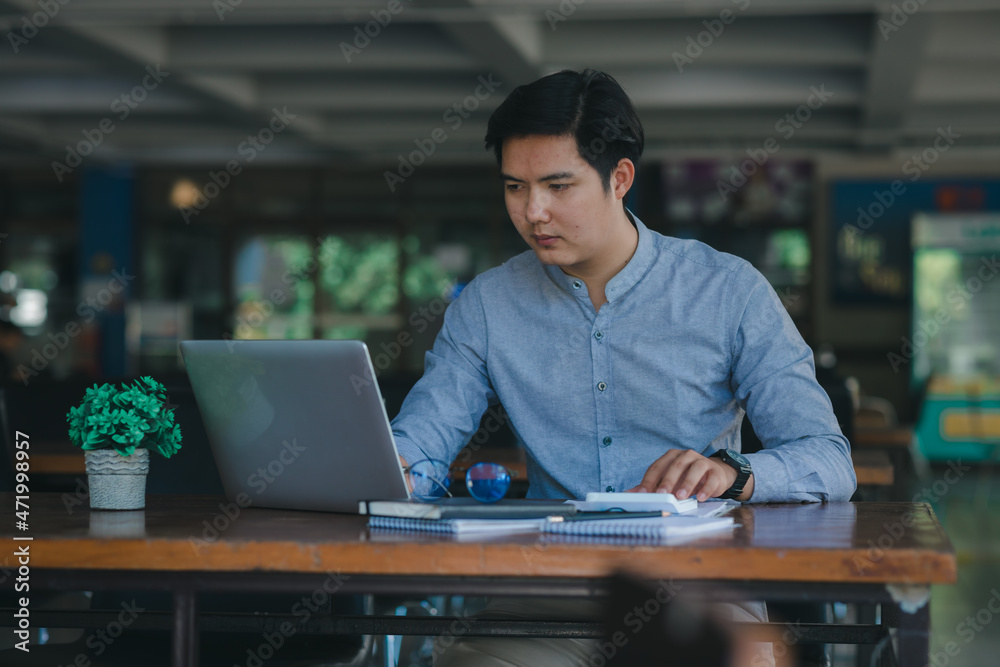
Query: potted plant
116	428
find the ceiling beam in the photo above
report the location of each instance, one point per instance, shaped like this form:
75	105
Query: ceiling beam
138	52
509	46
897	53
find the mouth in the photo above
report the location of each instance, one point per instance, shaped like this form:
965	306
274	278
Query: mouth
543	240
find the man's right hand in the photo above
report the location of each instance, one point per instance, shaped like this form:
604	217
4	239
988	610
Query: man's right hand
406	477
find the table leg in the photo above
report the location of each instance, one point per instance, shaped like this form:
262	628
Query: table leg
185	632
913	633
866	614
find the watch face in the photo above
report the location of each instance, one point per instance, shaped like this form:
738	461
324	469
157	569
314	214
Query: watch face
739	458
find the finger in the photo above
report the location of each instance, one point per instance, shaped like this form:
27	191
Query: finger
708	488
651	480
406	476
717	481
692	478
668	482
655	471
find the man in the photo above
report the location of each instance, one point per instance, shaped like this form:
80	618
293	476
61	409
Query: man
625	359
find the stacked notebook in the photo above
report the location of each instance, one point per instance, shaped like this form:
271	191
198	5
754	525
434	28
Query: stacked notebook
653	528
463	516
457	526
467	508
466	516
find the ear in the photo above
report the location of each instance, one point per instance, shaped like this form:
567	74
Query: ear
622	178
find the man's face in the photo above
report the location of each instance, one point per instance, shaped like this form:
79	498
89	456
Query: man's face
557	202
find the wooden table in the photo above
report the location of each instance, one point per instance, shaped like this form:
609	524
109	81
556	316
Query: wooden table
848	552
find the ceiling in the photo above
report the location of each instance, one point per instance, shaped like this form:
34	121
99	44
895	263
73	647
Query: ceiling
890	79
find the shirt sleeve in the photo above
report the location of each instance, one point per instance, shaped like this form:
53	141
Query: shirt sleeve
442	411
806	456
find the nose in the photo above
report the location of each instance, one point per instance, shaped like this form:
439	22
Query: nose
537	210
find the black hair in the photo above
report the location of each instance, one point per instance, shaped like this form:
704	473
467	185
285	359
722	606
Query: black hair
589	106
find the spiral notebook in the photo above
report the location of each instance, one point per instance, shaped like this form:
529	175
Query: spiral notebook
659	528
456	526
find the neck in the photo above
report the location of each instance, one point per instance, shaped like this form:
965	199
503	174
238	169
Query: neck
621	246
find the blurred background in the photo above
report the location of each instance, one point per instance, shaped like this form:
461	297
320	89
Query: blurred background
176	169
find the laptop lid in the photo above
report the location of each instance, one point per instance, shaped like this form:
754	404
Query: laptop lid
295	424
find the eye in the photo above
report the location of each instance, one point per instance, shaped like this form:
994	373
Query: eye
513	187
559	187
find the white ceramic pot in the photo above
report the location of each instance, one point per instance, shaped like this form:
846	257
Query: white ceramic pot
117	482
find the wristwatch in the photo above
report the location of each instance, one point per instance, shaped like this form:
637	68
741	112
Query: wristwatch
734	459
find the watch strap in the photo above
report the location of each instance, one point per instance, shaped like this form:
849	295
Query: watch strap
742	474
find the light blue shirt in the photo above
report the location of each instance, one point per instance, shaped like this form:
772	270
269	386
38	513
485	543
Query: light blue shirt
690	340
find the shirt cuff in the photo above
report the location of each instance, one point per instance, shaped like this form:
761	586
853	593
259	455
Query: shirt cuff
409	451
770	479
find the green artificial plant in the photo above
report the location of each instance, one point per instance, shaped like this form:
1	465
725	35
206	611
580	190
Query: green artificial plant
126	418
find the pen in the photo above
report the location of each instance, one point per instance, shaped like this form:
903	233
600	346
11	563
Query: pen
593	516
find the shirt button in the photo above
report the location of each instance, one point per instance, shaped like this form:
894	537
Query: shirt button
577	284
602	385
598	335
609	489
607	440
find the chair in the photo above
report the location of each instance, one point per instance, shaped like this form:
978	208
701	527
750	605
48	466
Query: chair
875	412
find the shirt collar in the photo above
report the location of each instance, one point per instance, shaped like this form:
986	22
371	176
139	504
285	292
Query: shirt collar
625	279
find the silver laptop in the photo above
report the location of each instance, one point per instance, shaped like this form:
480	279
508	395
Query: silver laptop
295	424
